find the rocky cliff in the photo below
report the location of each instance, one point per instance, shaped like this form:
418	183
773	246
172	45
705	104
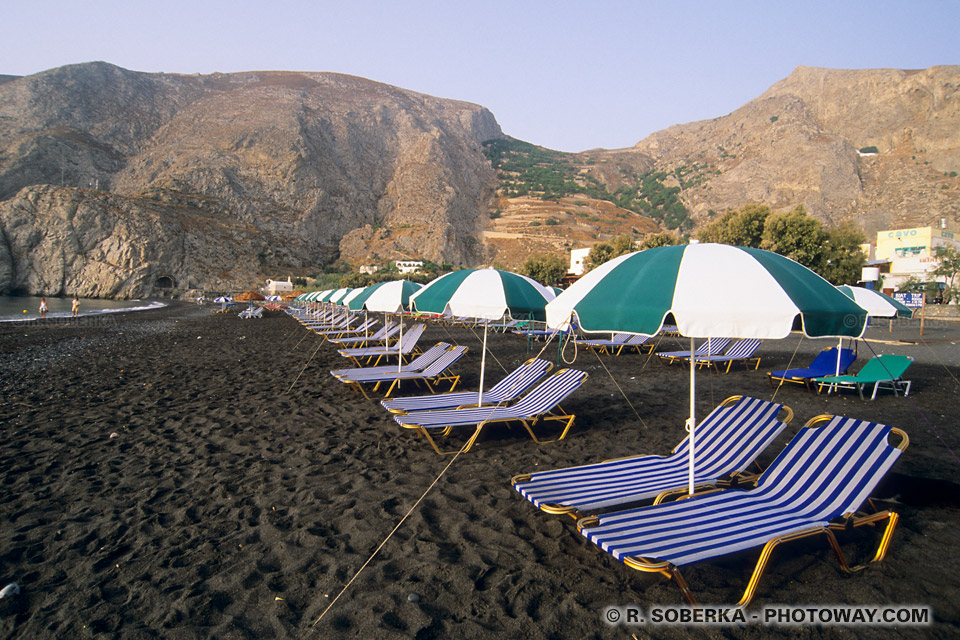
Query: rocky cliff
800	142
219	180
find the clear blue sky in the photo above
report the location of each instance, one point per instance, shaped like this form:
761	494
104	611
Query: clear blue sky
565	75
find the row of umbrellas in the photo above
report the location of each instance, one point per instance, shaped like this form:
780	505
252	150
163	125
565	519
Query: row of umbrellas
707	290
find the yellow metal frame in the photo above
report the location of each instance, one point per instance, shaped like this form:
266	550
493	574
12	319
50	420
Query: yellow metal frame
848	521
527	424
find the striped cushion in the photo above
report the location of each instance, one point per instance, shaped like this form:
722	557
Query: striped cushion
407	342
507	389
727	440
711	346
741	350
435	368
822	474
544	397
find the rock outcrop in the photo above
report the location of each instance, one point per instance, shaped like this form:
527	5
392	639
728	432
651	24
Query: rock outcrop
297	164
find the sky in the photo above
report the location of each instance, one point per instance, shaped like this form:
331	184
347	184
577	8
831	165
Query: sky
566	75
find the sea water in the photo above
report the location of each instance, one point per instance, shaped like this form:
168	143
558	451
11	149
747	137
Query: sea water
22	308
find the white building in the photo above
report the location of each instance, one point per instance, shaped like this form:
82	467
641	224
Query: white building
577	259
278	287
912	253
409	266
369	268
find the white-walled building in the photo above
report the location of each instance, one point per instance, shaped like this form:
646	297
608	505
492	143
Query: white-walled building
912	252
577	259
278	287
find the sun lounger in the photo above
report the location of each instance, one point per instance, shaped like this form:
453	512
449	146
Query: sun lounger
431	375
408	341
883	372
601	345
417	364
741	351
727	441
385	332
507	390
539	404
815	486
711	346
824	364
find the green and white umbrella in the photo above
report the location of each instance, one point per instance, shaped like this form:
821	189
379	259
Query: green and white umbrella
387	297
489	294
707	291
877	304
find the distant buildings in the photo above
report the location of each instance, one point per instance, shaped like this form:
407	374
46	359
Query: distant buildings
904	253
409	266
369	269
577	259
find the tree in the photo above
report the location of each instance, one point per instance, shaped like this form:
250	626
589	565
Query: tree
743	228
843	259
604	251
548	269
654	240
797	236
949	268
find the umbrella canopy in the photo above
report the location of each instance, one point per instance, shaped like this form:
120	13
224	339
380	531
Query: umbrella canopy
338	295
325	295
345	301
878	305
274	299
707	290
223	299
711	290
292	295
387	297
484	293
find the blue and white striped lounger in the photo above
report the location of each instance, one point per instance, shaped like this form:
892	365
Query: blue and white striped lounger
408	341
710	346
741	351
727	441
431	375
507	390
824	474
417	364
385	332
536	405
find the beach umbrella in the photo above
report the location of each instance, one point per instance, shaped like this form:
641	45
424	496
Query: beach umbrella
556	290
877	304
274	299
222	299
707	291
489	294
387	297
338	295
345	301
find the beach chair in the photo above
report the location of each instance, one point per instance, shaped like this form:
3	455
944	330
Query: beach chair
741	351
417	364
408	341
431	375
615	341
815	486
507	390
727	442
540	404
883	372
710	346
332	334
385	333
824	364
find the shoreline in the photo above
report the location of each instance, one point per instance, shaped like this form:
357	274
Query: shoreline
161	481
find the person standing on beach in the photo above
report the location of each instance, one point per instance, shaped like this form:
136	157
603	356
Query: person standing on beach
43	307
75	307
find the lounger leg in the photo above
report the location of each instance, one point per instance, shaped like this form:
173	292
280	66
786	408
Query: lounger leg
891	518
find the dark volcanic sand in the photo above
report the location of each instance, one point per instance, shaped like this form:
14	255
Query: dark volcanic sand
227	507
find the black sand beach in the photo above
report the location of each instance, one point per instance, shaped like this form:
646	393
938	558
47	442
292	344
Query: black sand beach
167	474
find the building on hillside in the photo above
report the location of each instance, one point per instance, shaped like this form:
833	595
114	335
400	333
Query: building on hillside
905	253
369	269
577	259
409	266
279	287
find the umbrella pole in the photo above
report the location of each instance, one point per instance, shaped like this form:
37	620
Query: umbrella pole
483	364
691	421
400	347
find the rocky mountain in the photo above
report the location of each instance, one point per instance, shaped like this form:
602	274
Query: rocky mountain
111	180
